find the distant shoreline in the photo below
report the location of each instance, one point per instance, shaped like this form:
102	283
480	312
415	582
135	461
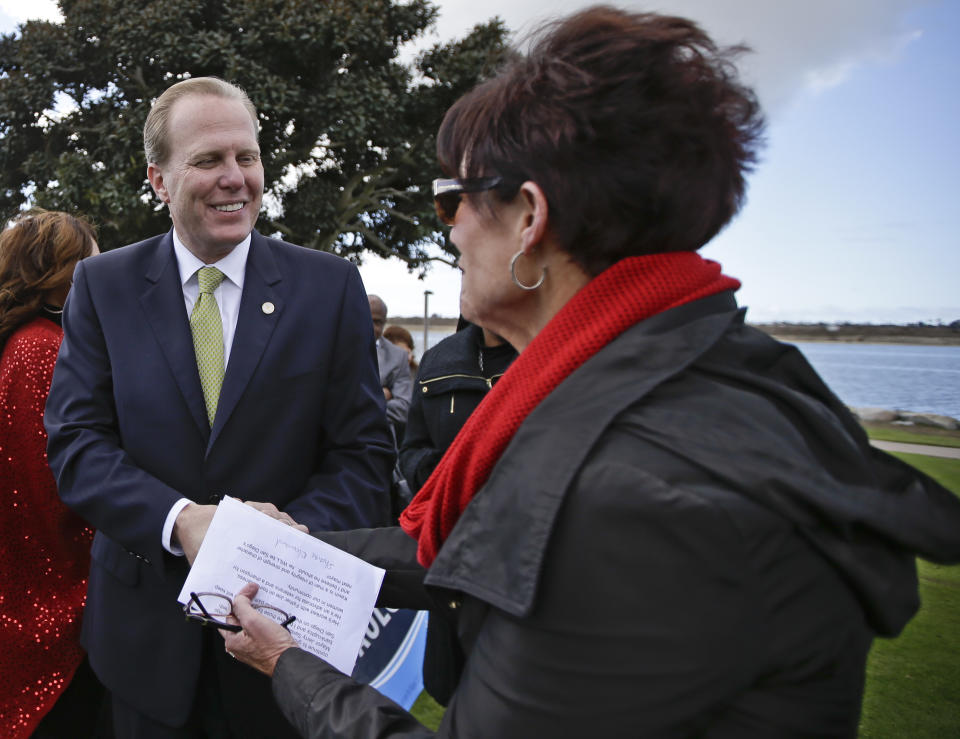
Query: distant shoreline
844	333
899	340
408	321
863	334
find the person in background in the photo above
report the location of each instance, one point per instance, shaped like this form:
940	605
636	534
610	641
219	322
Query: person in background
204	362
399	336
454	377
394	365
46	686
659	522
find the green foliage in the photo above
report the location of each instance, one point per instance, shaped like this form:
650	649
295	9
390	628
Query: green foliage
347	128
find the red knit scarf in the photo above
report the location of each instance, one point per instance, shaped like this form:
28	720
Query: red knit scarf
631	290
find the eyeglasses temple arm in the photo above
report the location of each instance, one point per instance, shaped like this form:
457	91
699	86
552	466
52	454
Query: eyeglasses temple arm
196	599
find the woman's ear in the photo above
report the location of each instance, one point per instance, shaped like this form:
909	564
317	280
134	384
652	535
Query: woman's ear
535	215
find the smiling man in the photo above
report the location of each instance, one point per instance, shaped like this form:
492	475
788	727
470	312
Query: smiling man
204	362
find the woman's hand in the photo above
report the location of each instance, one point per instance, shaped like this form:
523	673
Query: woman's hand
262	641
271	510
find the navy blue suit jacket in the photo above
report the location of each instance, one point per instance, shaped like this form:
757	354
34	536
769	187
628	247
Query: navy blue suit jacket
300	423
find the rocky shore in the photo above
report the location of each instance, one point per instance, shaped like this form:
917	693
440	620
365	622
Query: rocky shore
906	418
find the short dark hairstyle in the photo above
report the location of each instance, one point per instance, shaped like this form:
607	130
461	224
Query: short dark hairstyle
633	124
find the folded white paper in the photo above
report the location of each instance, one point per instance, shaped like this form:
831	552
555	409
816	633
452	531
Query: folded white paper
331	593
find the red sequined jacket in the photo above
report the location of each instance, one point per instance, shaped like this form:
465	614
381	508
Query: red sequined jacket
44	547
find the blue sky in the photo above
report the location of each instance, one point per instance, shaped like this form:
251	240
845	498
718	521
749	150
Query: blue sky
851	214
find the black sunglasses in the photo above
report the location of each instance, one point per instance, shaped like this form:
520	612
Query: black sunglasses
446	194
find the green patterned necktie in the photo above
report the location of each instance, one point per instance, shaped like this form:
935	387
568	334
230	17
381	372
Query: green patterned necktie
208	338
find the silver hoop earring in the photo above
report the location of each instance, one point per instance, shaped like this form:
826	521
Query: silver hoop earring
513	274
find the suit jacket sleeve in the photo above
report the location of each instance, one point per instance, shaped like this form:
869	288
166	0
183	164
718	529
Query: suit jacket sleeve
350	485
84	445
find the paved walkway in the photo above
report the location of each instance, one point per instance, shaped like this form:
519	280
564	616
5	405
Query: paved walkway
950	452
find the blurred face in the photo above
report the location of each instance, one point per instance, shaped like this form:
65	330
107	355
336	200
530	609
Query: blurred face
213	179
59	297
379	315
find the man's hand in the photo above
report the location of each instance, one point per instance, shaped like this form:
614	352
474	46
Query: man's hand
387	394
271	510
190	528
262	641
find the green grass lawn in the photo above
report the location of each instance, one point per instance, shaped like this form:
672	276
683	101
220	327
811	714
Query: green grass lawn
427	711
912	434
913	681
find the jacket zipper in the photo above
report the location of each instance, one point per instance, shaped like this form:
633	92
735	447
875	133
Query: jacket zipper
489	382
469	377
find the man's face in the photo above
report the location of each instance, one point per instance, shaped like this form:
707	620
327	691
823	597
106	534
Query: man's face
379	315
212	180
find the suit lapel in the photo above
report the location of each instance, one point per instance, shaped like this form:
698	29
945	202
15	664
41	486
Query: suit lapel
163	305
260	308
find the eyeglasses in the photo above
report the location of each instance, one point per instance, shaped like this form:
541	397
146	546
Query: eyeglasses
212	609
446	194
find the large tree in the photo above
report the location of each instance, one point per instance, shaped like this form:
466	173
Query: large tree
347	128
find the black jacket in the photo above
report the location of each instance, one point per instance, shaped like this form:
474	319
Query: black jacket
455	375
690	536
450	384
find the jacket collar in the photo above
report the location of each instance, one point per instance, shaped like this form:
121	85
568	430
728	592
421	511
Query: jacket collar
261	308
456	353
163	307
518	505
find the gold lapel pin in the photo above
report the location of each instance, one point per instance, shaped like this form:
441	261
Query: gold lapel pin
267	307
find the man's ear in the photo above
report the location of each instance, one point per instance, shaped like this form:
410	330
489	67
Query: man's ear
536	215
155	176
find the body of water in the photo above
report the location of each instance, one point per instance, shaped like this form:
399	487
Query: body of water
924	379
434	335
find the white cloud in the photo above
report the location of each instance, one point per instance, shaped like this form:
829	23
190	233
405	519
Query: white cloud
797	45
22	10
403	292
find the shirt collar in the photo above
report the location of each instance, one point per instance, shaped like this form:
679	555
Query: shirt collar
233	265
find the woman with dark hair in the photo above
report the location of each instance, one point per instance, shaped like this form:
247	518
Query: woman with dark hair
660	521
46	687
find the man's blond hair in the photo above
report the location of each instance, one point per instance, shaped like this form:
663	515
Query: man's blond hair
156	137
